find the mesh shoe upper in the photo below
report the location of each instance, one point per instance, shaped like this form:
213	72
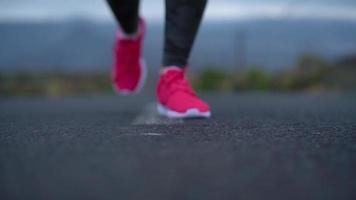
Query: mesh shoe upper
128	69
175	93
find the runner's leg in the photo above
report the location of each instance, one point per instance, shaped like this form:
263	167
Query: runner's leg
183	18
126	13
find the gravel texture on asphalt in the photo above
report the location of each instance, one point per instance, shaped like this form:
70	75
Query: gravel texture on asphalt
256	146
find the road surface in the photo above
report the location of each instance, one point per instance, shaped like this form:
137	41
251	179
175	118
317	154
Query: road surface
256	146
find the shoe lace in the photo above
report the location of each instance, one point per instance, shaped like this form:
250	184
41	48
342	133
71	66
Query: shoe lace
178	82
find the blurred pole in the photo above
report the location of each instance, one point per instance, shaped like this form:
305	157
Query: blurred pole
240	49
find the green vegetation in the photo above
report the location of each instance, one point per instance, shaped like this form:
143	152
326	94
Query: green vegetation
53	84
310	73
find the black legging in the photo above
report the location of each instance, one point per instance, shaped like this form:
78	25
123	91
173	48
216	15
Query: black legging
182	22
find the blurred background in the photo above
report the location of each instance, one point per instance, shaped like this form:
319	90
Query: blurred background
64	47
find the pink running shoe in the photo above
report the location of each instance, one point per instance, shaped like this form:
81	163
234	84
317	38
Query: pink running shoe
176	98
129	70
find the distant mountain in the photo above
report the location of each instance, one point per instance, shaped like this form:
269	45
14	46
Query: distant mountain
86	46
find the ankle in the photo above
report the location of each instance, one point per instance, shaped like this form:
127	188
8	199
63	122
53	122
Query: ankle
132	35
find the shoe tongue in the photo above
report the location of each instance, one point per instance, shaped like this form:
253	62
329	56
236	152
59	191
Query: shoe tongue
172	69
168	69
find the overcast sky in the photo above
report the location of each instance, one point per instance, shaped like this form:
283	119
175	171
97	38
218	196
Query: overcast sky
39	10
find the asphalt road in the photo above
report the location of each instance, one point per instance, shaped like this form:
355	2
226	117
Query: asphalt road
256	146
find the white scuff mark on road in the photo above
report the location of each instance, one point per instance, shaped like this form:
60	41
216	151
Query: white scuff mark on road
152	134
149	116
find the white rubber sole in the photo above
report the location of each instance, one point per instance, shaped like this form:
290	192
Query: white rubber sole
190	113
141	82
